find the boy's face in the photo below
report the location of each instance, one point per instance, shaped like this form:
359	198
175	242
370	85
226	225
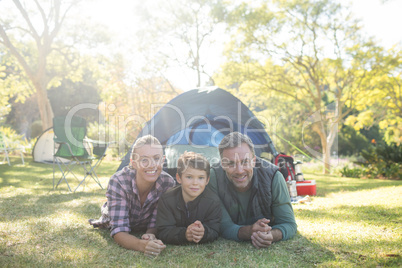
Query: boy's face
193	182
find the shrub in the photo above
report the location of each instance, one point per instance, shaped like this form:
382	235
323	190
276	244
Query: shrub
15	140
36	129
351	172
383	160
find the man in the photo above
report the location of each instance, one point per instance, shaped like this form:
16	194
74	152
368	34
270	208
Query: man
255	199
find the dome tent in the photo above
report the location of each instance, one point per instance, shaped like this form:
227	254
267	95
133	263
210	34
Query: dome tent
197	120
43	149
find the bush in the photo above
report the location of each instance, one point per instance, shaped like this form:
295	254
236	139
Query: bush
351	172
36	129
15	140
383	160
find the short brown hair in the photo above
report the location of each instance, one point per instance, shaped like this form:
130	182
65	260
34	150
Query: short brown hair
235	139
144	140
192	160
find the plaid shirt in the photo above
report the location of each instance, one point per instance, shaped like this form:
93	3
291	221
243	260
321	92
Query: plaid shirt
125	211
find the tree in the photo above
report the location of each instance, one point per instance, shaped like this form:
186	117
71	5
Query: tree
311	51
39	23
181	34
383	105
129	101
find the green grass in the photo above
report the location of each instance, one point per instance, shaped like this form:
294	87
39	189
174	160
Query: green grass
351	222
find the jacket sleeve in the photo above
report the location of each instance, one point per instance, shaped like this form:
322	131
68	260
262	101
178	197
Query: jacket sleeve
282	208
212	221
167	231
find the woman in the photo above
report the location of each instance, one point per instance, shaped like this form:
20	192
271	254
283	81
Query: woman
132	195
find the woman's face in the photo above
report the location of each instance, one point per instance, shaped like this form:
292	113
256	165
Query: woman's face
148	162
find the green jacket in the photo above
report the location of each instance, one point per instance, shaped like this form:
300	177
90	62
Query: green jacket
174	217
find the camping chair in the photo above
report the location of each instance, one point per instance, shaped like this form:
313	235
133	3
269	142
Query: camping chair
6	149
70	143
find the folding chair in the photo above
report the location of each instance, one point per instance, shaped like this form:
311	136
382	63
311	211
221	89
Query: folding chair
6	149
70	143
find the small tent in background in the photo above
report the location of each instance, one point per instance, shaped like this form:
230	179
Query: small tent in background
44	148
197	120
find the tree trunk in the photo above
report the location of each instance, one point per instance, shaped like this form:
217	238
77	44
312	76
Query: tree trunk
326	152
45	109
319	128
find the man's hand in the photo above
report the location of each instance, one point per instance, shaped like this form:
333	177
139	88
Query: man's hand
260	226
264	240
153	248
260	233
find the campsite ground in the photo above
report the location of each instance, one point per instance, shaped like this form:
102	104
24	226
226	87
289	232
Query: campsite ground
351	222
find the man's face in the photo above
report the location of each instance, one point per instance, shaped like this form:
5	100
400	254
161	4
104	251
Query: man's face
238	163
148	162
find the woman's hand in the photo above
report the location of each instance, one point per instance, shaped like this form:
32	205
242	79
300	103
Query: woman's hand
153	248
148	237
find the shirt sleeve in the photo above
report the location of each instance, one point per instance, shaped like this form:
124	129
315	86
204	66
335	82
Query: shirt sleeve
118	207
284	218
228	228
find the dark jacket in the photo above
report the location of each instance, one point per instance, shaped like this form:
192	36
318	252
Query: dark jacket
173	217
261	195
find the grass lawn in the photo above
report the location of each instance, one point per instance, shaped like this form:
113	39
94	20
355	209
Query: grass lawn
351	222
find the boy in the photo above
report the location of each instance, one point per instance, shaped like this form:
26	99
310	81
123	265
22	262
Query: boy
189	213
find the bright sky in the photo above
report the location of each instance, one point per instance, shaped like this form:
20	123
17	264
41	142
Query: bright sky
381	20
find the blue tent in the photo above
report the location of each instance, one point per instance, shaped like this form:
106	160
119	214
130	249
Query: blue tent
198	119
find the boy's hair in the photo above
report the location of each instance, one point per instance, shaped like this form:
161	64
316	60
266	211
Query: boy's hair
235	139
144	140
192	160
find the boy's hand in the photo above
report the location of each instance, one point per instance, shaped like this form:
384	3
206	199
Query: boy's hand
197	231
153	248
189	233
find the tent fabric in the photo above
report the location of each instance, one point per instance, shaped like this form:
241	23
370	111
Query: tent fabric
44	148
173	153
200	118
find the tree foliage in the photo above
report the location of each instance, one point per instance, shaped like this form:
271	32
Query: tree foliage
129	101
309	51
30	32
180	35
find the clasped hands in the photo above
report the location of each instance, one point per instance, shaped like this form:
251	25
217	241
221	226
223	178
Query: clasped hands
261	234
153	246
195	232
